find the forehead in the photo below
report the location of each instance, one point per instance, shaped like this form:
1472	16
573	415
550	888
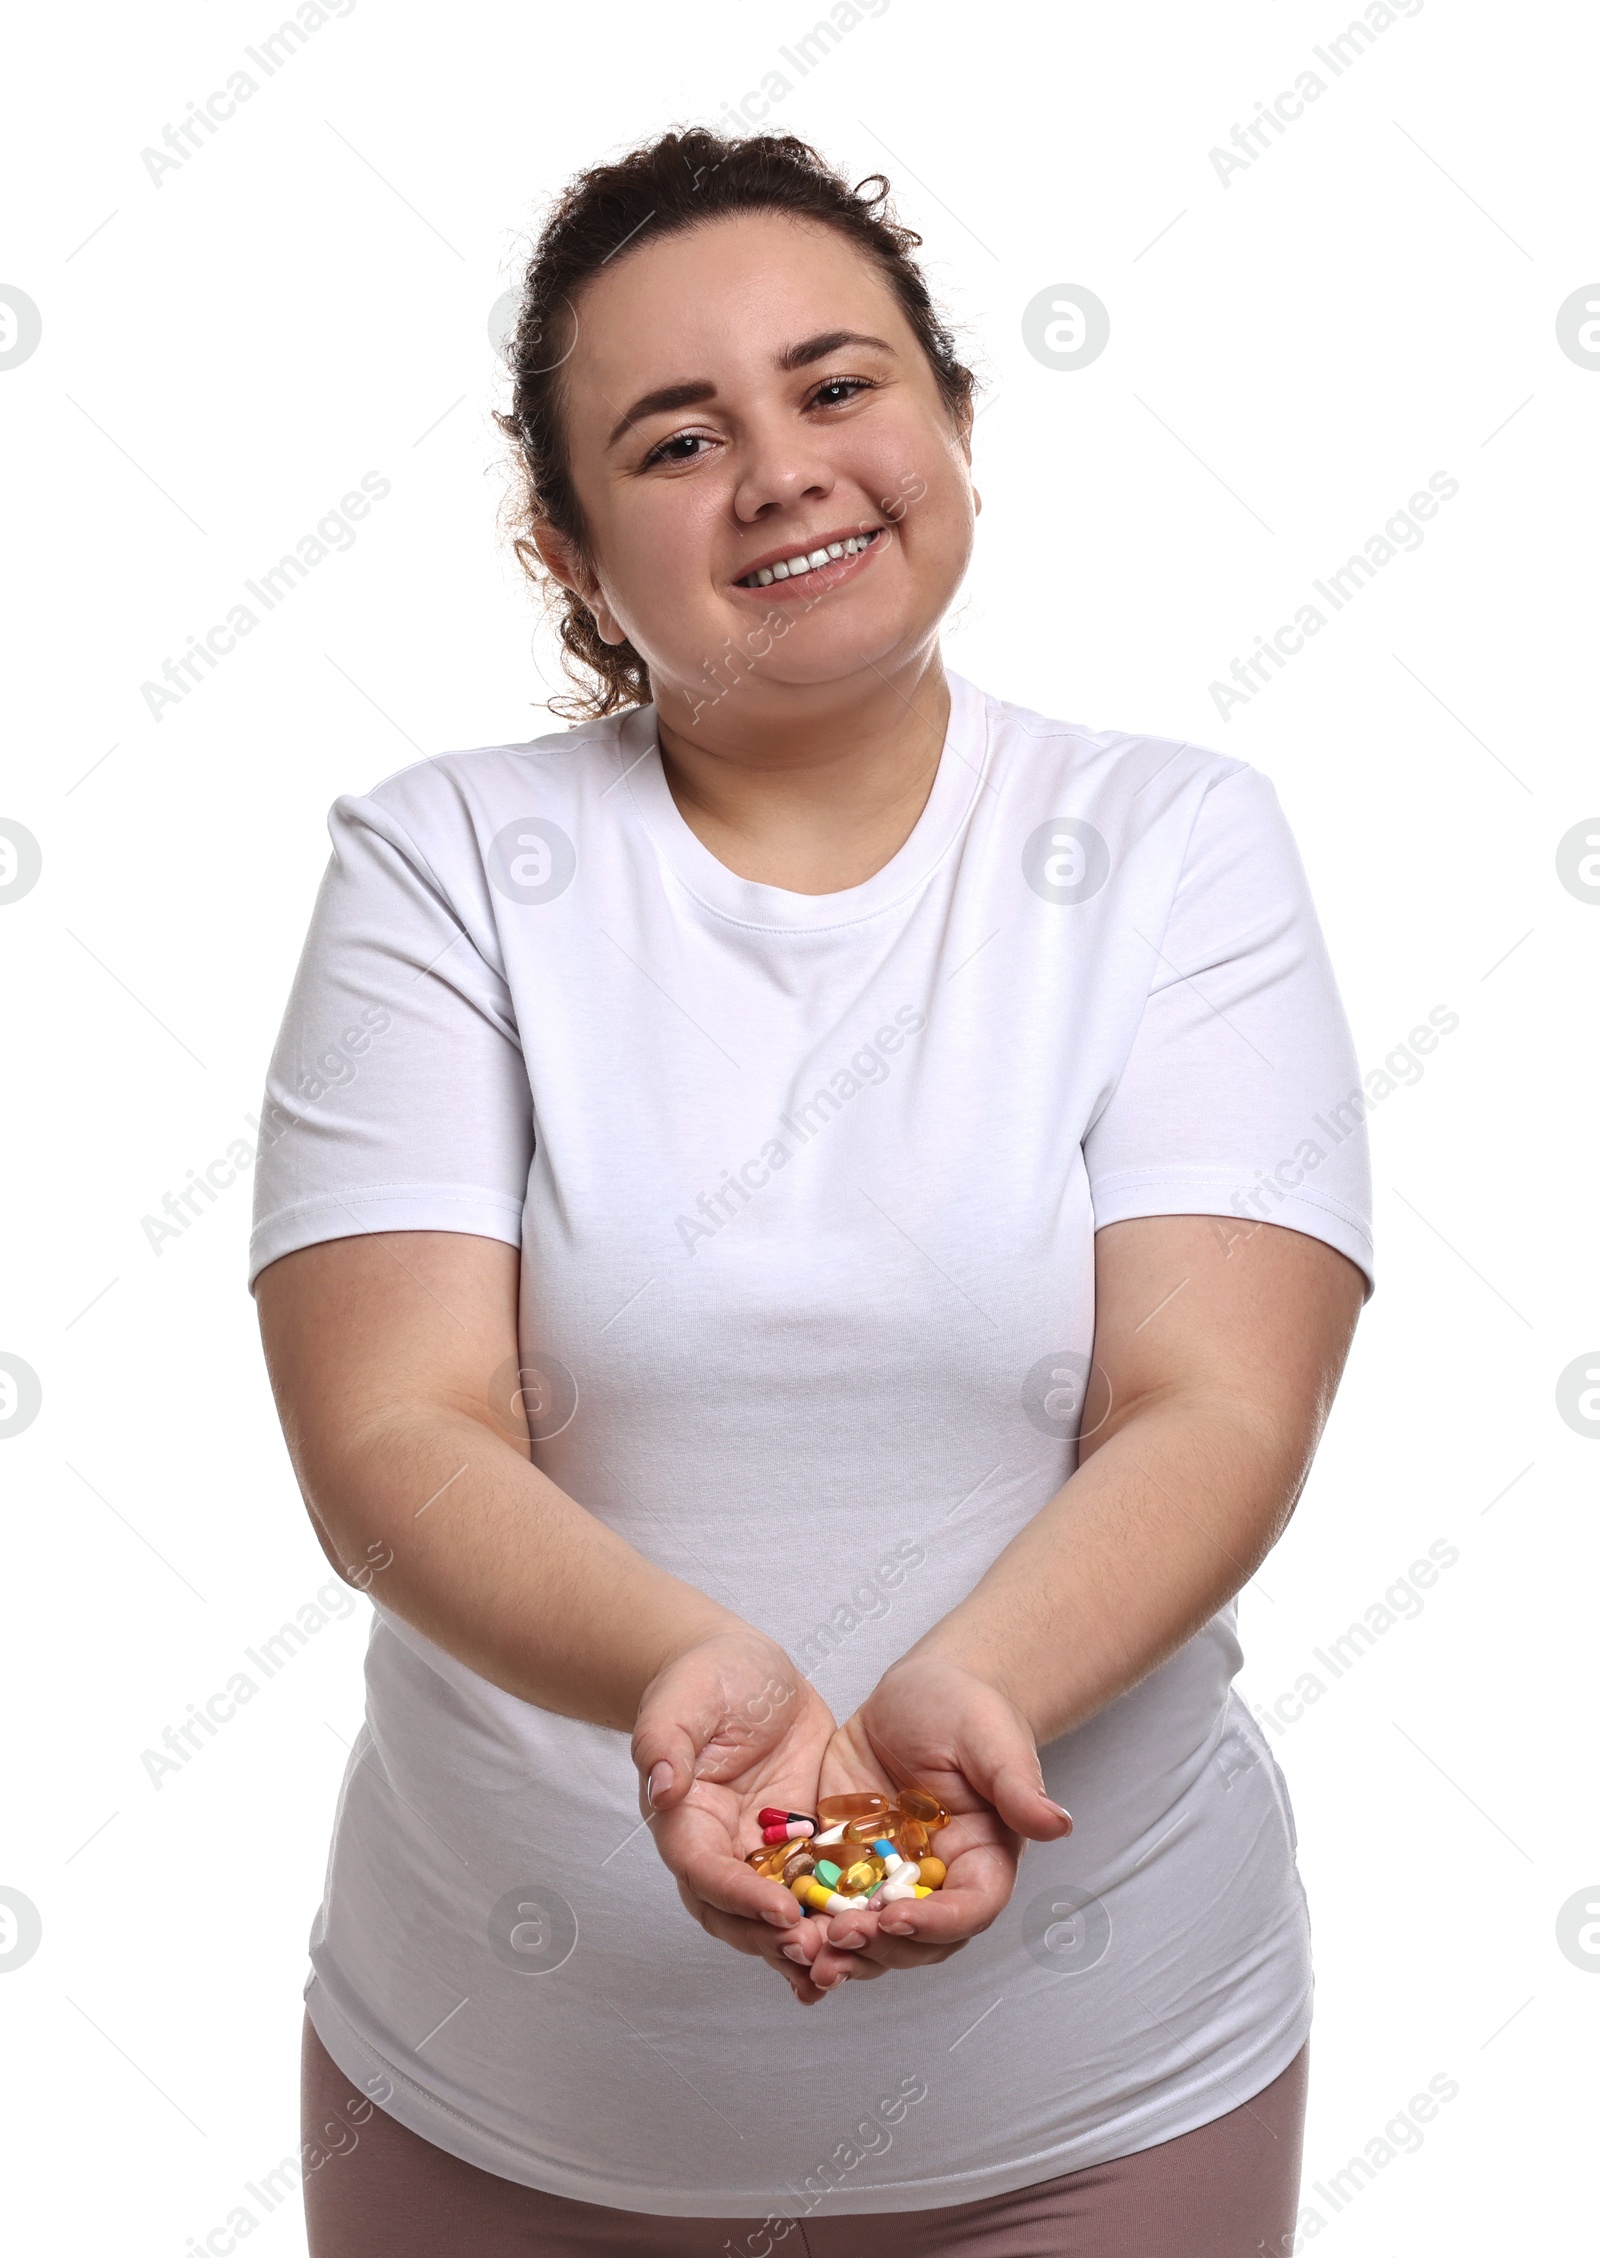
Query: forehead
719	301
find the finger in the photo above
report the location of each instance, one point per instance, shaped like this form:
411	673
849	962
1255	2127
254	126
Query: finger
998	1756
801	1953
756	1939
949	1916
802	1943
832	1964
864	1947
834	1968
893	1956
981	1880
694	1845
744	1935
854	1944
664	1751
687	1708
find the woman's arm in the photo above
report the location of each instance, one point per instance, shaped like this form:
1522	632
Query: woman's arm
1221	1344
389	1355
1218	1347
383	1351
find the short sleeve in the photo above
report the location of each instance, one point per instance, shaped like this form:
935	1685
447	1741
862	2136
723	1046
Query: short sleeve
397	1098
1240	1094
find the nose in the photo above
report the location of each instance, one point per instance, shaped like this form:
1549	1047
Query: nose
783	465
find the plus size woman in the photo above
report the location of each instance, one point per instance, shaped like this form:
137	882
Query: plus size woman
823	1275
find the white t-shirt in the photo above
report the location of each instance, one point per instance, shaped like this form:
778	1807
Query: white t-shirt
806	1188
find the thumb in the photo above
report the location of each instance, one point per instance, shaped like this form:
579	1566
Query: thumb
665	1751
1000	1760
681	1710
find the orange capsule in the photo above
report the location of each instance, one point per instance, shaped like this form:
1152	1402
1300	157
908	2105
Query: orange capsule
916	1803
777	1861
862	1805
909	1836
771	1858
868	1828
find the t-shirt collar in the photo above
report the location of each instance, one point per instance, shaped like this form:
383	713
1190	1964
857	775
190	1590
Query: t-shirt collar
956	783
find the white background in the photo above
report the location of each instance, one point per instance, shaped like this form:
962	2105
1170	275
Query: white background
1292	354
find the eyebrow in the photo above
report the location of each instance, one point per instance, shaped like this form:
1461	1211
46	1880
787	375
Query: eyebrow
668	397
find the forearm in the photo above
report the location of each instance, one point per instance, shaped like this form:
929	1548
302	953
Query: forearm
1156	1530
449	1525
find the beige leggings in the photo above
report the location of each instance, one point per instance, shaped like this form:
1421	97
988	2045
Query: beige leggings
1227	2190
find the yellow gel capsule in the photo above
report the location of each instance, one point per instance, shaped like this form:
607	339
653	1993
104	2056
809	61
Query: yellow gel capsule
932	1871
833	1808
863	1874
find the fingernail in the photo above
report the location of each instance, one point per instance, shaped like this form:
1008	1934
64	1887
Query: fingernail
898	1929
1059	1809
659	1781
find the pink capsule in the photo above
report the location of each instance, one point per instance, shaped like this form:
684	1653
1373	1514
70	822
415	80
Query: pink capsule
791	1830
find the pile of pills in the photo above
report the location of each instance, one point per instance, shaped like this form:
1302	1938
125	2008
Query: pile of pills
854	1850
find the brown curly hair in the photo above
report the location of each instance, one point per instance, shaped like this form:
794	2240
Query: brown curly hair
681	180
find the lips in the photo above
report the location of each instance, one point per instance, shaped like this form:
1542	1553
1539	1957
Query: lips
807	557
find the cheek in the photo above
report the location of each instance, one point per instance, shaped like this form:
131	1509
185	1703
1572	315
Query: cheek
658	573
930	504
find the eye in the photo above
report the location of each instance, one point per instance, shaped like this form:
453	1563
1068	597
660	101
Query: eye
835	383
662	454
844	387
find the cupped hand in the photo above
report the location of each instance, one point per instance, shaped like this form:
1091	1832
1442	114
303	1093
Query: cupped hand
939	1725
724	1728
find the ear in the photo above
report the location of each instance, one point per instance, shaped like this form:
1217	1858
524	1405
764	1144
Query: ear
964	432
560	559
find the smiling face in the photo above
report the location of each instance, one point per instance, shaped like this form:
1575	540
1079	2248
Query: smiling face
740	397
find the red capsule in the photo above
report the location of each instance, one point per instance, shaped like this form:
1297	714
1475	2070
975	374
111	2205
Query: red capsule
771	1816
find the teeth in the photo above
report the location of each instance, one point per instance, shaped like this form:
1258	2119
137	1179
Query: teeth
807	562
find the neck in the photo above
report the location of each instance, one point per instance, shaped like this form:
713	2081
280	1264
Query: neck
813	787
